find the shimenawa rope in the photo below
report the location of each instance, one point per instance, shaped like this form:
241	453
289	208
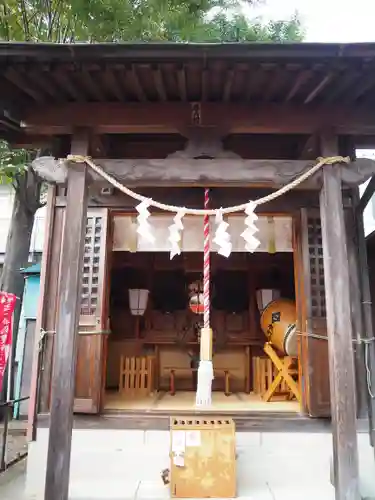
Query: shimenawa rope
193	211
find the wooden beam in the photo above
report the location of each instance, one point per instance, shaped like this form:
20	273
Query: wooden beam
204	85
21	82
276	84
221	172
234	117
42	80
346	81
321	85
228	84
255	77
99	145
367	195
23	141
301	79
340	348
62	79
92	86
310	149
182	83
367	83
65	350
110	78
140	93
159	84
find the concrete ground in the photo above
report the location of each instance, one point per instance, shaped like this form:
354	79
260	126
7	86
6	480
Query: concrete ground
16	442
12	482
126	465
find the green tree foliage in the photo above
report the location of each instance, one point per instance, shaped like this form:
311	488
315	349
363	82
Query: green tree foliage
138	20
12	162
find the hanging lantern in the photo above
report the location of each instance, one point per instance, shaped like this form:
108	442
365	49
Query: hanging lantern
138	299
196	304
196	301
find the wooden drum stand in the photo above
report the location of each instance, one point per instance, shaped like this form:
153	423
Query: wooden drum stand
285	372
278	323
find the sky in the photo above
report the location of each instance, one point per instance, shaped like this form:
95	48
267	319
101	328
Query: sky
325	20
329	21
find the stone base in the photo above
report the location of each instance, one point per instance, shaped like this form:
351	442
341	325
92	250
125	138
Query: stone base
127	464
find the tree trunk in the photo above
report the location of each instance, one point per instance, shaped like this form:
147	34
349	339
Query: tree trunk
26	203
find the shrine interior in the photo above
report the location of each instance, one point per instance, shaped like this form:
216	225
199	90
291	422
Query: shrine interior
166	335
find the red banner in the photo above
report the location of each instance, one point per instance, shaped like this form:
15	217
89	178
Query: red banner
7	305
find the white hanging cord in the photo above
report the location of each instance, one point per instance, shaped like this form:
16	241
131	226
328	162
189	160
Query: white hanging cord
193	211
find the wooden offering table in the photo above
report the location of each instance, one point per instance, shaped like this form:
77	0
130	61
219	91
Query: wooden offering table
217	373
232	363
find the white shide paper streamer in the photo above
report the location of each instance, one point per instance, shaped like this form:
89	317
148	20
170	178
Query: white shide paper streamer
251	242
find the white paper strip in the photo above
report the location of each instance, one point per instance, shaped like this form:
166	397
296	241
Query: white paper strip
222	237
144	227
251	242
175	234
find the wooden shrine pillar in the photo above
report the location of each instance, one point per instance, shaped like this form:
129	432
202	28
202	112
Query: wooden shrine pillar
340	348
68	310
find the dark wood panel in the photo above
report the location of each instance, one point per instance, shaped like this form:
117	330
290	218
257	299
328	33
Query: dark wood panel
89	373
311	316
94	318
52	286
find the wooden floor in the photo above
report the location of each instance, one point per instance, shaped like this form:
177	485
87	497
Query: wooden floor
185	401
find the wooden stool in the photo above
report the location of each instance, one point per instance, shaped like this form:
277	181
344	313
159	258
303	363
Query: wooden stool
284	374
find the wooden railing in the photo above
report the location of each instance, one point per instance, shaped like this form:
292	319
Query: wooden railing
136	375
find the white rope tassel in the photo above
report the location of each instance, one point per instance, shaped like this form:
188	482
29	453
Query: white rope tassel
204	388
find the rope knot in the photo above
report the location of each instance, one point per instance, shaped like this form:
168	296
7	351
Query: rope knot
78	158
331	160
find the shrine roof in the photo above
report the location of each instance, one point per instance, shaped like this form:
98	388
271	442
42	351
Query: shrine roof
304	74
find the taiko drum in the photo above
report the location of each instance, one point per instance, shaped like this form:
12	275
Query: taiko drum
278	322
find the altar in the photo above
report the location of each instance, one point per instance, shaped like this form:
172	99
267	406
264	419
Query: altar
155	350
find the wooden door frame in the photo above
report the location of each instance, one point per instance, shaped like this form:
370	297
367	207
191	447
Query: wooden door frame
106	302
300	301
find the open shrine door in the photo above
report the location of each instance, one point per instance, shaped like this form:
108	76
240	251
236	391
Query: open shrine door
94	315
311	313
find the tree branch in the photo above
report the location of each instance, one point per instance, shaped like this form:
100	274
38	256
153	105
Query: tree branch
25	20
6	20
56	19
